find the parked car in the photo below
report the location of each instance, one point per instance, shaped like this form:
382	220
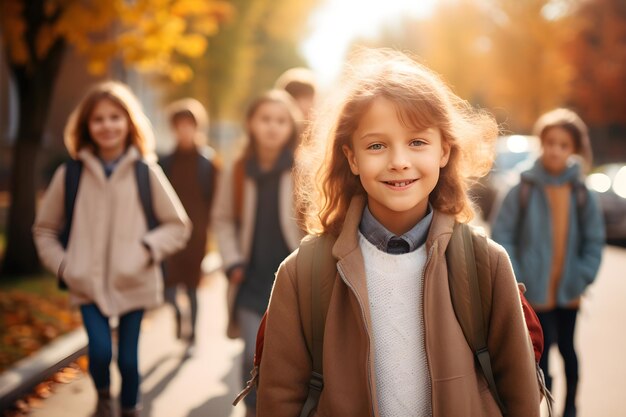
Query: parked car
514	154
609	181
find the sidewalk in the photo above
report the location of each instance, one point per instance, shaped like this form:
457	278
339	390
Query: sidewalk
173	386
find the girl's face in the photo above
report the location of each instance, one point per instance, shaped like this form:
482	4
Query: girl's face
271	126
108	127
398	166
558	145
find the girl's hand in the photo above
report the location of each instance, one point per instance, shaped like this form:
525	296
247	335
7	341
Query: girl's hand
236	275
149	253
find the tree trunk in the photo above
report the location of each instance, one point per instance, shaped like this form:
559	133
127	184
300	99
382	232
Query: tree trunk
20	256
35	84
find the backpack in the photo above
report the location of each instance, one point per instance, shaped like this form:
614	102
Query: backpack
578	189
73	170
470	291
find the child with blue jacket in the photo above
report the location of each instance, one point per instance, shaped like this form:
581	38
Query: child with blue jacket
552	228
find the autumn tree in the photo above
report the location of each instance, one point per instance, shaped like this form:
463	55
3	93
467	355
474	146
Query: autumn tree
248	54
596	48
150	35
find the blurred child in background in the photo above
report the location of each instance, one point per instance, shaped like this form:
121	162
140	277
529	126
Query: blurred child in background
103	248
300	84
552	228
254	217
192	170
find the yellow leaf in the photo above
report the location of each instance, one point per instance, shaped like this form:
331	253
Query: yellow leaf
206	25
180	73
192	45
96	67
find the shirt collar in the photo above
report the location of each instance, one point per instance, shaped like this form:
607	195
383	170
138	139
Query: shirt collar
379	236
109	166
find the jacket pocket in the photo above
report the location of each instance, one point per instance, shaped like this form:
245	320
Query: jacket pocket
75	281
471	399
130	265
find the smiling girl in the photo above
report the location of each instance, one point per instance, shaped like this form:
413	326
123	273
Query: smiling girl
111	261
388	184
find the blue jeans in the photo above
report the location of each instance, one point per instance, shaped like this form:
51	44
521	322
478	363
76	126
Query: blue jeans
249	321
100	351
559	326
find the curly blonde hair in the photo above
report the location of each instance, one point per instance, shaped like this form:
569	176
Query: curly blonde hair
325	184
140	135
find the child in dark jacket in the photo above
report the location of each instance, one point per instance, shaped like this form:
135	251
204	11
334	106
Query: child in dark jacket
192	169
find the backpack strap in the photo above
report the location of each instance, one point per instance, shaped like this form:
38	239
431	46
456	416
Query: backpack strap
239	177
206	176
142	176
166	164
524	193
317	268
73	169
469	278
581	195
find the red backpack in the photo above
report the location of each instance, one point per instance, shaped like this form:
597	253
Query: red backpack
316	267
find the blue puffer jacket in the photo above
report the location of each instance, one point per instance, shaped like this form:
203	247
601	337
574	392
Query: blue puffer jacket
530	247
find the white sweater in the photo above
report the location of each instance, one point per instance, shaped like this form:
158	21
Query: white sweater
395	289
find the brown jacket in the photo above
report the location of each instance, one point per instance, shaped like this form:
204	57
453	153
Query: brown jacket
106	261
458	386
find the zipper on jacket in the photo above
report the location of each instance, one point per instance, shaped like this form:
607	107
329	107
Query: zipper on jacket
107	254
369	339
428	361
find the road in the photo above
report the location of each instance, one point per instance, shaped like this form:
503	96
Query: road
204	385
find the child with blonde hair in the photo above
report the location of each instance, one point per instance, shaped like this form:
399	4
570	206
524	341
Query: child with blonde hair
102	238
384	185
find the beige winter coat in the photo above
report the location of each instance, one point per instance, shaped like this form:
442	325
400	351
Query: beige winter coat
459	388
107	261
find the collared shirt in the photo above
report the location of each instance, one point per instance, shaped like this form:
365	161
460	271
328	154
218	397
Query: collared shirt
109	166
386	241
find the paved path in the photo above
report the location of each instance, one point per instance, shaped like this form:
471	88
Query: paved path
204	385
601	343
173	386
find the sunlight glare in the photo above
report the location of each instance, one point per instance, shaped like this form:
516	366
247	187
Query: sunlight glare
338	23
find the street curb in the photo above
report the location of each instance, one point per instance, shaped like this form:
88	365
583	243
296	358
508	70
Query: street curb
22	377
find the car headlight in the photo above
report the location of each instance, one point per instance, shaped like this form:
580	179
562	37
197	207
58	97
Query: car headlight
599	182
517	144
619	182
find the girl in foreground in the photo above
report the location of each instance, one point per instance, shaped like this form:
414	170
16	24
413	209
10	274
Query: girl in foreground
390	185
